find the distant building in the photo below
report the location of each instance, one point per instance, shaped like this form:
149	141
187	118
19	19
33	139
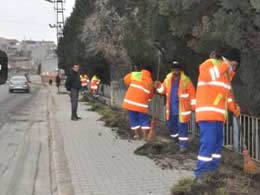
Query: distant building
28	54
10	46
22	63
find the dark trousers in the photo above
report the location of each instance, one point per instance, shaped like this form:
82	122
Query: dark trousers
74	95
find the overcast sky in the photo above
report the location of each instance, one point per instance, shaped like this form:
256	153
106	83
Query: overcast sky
29	19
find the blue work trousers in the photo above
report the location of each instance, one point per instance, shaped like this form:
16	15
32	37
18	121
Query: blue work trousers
211	141
178	130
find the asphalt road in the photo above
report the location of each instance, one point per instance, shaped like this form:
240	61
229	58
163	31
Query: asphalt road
24	154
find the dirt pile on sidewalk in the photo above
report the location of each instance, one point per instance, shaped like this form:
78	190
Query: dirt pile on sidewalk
115	118
166	155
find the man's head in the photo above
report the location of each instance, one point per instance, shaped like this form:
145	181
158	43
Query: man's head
75	67
149	68
176	68
232	58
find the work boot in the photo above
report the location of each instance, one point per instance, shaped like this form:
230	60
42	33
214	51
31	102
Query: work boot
175	139
199	180
183	149
202	178
78	117
74	118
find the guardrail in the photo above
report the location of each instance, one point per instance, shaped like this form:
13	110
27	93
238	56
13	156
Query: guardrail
250	125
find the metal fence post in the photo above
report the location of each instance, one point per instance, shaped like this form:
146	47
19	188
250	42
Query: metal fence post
236	135
112	93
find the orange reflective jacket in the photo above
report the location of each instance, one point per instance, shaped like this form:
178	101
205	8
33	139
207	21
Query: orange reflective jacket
95	81
186	94
139	92
214	96
84	80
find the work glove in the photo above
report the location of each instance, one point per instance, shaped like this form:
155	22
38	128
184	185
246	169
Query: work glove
237	110
157	84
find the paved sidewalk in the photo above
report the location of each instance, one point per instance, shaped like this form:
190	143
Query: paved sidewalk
100	164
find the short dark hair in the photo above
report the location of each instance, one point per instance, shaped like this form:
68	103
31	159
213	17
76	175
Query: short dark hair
233	54
149	68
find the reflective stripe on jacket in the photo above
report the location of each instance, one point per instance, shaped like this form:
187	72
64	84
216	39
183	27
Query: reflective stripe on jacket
214	94
186	94
139	92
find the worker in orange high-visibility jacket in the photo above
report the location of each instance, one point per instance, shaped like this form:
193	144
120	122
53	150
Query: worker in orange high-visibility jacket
139	92
94	83
84	83
84	80
180	101
213	100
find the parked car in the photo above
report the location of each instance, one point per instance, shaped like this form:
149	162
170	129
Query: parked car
19	83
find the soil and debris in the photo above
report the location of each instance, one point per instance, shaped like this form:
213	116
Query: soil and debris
229	180
114	118
165	153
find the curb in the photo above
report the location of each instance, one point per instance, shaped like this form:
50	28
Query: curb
59	169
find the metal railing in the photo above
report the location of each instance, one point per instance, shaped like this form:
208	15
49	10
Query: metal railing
250	125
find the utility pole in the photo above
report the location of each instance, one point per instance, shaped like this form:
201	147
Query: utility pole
59	9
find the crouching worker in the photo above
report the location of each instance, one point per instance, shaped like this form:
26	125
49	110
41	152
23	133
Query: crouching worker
180	101
139	92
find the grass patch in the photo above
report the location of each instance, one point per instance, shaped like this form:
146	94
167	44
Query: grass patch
101	109
115	118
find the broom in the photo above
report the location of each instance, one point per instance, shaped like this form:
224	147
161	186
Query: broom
249	165
152	133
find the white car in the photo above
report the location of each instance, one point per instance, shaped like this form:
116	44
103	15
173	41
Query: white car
19	83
